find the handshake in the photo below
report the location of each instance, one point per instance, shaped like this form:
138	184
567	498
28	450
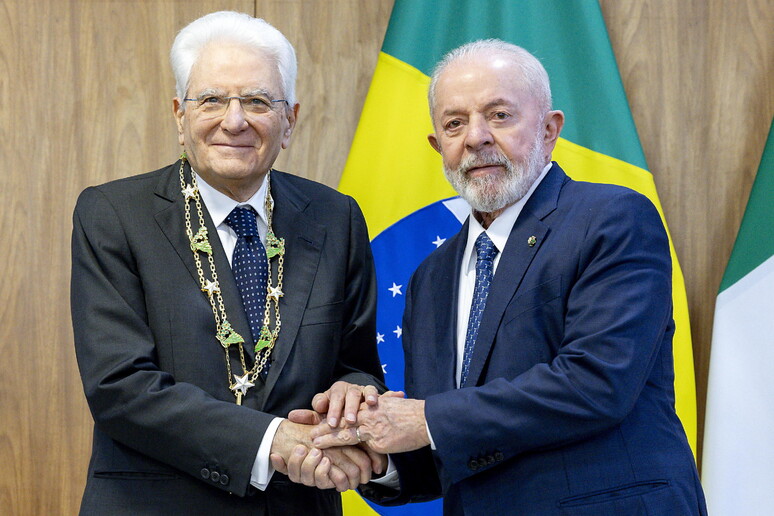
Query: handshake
345	439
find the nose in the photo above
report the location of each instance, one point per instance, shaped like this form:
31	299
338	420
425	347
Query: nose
234	120
478	134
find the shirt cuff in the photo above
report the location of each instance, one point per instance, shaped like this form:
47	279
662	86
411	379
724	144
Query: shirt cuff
262	468
429	436
390	478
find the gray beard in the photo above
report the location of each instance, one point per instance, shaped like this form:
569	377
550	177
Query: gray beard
489	194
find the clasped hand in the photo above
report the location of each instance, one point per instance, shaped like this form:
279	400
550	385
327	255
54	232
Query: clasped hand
342	468
344	452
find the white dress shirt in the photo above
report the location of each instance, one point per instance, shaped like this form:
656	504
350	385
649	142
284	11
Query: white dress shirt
219	206
498	231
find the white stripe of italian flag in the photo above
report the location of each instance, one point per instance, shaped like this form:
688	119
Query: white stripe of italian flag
738	457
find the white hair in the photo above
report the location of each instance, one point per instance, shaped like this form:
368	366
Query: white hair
235	27
535	75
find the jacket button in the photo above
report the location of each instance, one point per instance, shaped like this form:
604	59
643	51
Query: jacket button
215	476
473	464
205	473
224	480
490	459
499	456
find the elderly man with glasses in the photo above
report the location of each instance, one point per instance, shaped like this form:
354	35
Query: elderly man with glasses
213	296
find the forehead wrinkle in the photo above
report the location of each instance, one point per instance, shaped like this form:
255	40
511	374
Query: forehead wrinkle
252	92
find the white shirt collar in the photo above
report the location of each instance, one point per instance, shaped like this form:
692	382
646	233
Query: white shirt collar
219	205
499	230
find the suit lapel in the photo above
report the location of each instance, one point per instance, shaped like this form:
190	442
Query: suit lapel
516	258
304	239
446	277
170	216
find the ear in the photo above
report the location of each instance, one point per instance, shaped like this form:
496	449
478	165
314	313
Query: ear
177	110
434	143
291	114
554	121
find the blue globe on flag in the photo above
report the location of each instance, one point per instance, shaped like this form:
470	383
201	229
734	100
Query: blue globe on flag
398	251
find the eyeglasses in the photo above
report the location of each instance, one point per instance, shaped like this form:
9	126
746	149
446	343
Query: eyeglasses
216	105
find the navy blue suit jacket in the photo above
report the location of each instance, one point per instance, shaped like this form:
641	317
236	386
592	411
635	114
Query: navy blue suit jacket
168	437
569	404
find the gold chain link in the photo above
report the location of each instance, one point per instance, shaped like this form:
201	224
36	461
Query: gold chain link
212	287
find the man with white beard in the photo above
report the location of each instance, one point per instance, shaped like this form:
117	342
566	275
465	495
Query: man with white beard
538	340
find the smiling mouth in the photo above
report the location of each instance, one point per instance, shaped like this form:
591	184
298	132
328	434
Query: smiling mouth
233	145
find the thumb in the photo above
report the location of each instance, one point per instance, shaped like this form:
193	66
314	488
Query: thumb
278	463
304	417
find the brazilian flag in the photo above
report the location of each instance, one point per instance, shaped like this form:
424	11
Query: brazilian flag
398	180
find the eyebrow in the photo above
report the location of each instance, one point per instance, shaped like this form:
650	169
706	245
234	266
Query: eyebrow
257	92
489	105
499	102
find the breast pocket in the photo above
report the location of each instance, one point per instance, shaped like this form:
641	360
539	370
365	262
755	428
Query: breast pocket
323	314
532	299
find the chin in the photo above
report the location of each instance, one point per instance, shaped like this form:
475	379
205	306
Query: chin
236	171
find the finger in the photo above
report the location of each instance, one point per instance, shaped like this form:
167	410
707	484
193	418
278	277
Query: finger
322	474
352	401
370	394
320	402
363	462
308	466
395	394
338	437
322	428
304	417
336	397
295	461
278	463
345	464
378	460
339	479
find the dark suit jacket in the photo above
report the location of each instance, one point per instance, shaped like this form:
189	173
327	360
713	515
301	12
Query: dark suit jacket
570	404
168	437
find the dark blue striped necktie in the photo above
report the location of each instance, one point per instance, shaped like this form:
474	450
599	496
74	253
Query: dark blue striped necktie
485	254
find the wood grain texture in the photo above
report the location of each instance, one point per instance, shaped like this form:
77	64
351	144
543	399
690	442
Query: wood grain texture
337	44
700	81
85	97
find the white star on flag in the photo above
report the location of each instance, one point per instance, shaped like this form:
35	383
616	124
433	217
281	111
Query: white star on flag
384	368
398	331
438	241
395	289
379	337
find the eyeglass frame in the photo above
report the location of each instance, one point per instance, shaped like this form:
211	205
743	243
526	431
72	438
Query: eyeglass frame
242	98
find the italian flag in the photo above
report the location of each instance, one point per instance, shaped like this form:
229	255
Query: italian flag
738	457
398	179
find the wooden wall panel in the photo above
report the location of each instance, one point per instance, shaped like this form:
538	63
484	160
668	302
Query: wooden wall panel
85	96
699	76
337	44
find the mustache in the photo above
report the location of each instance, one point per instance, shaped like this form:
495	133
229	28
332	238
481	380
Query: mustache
484	159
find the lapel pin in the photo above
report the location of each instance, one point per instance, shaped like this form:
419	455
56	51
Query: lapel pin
531	241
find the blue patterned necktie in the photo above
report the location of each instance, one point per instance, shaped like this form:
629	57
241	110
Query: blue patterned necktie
485	252
249	266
